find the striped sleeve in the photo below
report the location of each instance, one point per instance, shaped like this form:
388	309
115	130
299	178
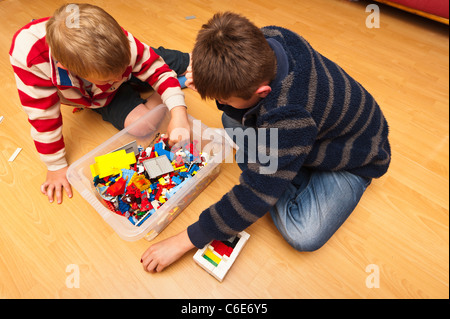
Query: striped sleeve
252	198
150	67
29	58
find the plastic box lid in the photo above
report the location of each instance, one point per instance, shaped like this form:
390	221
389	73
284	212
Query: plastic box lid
210	142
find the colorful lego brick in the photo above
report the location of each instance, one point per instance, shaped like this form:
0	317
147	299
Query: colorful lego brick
158	166
221	248
194	168
176	180
159	148
155	204
123	207
184	174
112	163
110	206
131	147
209	253
208	259
231	242
140	181
145	217
118	188
145	204
128	174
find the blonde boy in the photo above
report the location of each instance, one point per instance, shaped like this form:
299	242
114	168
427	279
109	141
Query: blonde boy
82	57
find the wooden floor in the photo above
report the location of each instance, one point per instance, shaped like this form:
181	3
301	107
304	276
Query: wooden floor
400	227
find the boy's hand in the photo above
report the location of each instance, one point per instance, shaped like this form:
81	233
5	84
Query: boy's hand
178	128
55	183
162	254
189	79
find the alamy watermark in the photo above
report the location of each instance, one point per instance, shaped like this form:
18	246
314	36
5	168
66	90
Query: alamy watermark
73	279
373	19
73	19
258	146
373	279
254	145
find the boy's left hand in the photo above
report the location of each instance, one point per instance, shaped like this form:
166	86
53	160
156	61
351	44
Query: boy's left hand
162	254
190	79
178	128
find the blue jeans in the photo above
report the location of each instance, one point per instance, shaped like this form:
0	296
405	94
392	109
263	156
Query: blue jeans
315	204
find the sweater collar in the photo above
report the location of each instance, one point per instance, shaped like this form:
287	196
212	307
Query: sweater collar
249	117
282	61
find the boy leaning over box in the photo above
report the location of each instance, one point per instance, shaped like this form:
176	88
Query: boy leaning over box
82	57
332	136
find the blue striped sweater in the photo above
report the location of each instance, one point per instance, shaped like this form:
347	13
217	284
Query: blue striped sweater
326	121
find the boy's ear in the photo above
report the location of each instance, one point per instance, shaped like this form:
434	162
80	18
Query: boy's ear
263	91
59	65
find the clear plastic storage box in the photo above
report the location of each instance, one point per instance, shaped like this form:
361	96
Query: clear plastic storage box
209	141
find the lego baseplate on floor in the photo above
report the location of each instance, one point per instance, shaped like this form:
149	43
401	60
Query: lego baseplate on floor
217	257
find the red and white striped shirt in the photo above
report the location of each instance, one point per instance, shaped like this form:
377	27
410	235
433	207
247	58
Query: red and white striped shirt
43	86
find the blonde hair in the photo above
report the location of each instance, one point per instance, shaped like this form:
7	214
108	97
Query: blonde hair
88	41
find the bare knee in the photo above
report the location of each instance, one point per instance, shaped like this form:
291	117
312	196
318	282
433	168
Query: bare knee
141	121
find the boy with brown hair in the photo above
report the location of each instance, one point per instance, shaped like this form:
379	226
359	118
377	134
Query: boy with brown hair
82	57
332	136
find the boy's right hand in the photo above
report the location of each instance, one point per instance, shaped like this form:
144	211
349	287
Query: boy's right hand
55	183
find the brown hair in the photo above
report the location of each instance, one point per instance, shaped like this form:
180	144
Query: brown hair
231	57
86	40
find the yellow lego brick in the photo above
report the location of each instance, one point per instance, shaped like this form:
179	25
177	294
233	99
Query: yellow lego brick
112	163
208	253
173	211
140	181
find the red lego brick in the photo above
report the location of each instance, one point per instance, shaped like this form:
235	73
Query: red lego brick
221	248
117	188
158	193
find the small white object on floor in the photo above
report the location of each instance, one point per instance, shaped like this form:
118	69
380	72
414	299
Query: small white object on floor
13	157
